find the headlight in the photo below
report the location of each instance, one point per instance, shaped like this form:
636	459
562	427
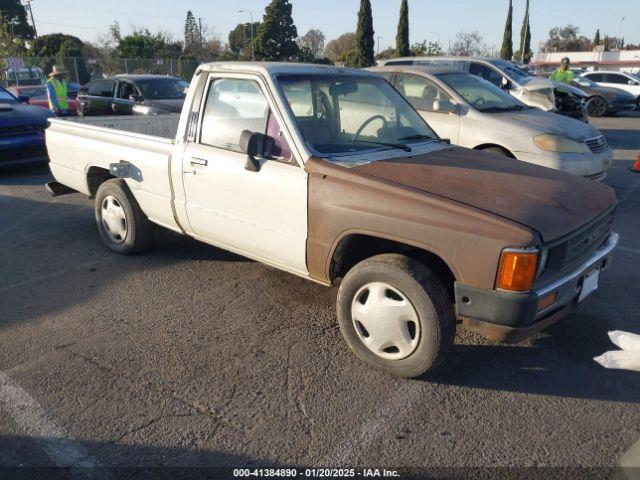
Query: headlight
557	143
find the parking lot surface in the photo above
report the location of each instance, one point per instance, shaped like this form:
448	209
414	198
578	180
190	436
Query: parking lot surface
189	356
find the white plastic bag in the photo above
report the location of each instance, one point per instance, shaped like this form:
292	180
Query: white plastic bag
625	340
620	360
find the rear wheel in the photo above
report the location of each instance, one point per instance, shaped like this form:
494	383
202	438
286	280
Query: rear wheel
395	314
123	227
596	107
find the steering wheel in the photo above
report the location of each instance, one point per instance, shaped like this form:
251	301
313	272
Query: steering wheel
366	124
478	102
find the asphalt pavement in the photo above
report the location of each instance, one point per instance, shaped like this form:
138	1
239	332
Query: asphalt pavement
189	356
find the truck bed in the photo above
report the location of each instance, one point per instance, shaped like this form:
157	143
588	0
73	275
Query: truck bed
81	146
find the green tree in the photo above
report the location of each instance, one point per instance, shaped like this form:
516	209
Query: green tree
144	44
336	48
596	39
426	49
525	54
402	37
10	46
13	17
49	45
240	38
506	53
277	34
607	47
365	43
192	35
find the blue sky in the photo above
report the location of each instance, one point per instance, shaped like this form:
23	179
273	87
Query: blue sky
430	19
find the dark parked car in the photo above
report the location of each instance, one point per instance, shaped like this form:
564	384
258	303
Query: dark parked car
601	100
22	129
133	95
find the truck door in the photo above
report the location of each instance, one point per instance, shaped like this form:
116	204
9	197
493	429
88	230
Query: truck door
260	214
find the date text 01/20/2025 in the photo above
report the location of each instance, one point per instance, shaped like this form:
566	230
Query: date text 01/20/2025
315	473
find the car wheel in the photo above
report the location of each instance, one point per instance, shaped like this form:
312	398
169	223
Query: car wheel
123	227
396	315
596	107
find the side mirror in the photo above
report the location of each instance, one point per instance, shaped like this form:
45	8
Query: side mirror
135	97
444	106
631	82
504	84
24	98
254	144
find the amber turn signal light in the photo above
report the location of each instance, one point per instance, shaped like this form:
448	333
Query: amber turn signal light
517	270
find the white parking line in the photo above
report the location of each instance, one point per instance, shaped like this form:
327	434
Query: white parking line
34	421
27	217
349	451
630	250
82	266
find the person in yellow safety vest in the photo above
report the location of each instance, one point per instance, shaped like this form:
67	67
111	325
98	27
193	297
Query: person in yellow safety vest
57	91
563	74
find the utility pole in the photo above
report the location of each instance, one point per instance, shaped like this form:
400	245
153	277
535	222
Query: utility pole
621	41
253	52
201	34
33	22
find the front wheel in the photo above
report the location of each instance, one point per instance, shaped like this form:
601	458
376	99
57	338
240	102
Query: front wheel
123	227
596	107
395	314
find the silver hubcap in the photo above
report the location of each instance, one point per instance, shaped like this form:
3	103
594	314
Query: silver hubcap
386	321
113	219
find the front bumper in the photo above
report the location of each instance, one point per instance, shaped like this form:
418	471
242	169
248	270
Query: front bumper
22	149
514	317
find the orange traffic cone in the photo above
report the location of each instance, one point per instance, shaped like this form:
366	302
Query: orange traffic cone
636	166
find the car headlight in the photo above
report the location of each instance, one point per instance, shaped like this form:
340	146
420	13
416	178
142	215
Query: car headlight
557	143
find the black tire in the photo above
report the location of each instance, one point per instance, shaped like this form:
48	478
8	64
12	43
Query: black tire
596	107
426	294
138	228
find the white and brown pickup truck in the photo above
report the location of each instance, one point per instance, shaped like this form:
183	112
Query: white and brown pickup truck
330	174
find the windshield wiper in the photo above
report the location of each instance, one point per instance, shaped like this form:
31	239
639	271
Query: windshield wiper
385	144
417	137
515	108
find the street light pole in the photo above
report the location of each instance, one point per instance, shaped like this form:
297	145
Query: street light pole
621	41
33	22
253	52
379	37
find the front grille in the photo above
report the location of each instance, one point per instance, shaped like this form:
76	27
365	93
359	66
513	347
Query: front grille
582	245
597	144
21	130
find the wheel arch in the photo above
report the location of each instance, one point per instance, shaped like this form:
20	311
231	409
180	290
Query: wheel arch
355	247
95	177
486	146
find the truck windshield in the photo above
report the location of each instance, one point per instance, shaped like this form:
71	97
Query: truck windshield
349	114
480	94
163	88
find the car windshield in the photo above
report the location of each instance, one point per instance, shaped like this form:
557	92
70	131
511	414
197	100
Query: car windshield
480	94
6	97
347	114
163	88
515	72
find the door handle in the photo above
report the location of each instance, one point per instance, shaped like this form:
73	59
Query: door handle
199	161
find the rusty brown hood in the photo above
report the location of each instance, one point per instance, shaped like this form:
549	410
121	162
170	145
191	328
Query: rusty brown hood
551	202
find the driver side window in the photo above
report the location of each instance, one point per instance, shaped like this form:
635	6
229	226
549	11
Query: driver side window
421	92
486	73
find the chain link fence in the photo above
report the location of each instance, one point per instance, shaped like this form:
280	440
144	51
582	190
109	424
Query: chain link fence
84	69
